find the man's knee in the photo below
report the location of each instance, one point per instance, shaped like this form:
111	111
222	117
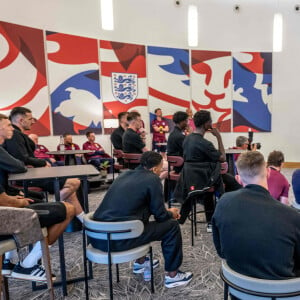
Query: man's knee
72	183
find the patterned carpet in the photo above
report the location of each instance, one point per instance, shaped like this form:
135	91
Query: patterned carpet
201	259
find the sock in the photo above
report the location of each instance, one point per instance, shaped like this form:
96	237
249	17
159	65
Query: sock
10	255
80	216
33	257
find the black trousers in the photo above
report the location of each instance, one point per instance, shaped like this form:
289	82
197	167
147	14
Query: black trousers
209	207
167	232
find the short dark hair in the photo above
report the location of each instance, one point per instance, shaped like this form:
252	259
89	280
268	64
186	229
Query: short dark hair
241	140
66	134
18	110
150	159
87	134
3	117
275	158
201	117
122	114
180	116
250	164
156	110
133	116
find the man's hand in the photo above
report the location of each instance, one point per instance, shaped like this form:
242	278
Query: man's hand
175	212
22	201
215	132
48	165
52	160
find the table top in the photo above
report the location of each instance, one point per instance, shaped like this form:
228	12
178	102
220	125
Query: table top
69	152
234	151
56	172
161	144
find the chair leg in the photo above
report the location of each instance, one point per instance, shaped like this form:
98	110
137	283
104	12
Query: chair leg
85	267
151	266
195	216
110	282
117	271
47	264
5	289
192	222
225	291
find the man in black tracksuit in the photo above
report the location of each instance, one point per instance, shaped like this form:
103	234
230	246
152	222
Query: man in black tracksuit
135	195
257	235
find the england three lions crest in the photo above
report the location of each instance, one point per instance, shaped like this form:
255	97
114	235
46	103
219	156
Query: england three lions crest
124	87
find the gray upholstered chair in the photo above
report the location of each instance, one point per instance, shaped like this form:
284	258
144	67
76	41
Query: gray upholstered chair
109	231
20	227
249	288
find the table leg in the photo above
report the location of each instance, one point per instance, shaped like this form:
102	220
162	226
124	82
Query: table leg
85	194
61	245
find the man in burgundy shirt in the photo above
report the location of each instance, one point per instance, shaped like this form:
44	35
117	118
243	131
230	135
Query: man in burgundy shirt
69	145
278	185
97	155
160	127
41	151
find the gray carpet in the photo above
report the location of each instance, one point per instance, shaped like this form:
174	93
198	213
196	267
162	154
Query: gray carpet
201	259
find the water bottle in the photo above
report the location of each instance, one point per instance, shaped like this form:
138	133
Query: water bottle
147	271
61	144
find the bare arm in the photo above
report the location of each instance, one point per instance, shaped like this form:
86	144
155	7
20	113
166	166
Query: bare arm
216	133
14	201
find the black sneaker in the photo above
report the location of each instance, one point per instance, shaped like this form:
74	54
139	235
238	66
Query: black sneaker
7	267
36	273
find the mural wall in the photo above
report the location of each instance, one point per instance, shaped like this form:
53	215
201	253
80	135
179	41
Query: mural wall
89	81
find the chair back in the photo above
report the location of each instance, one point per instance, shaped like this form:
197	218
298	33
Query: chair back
242	284
132	157
117	153
116	230
175	161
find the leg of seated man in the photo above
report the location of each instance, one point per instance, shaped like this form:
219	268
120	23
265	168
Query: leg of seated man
57	219
168	233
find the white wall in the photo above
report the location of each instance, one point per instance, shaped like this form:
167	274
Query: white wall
161	23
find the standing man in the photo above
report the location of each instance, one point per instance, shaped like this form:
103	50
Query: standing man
257	235
19	146
116	136
160	127
147	200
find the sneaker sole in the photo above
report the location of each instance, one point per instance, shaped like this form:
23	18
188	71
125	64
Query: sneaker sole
29	277
141	270
6	272
178	283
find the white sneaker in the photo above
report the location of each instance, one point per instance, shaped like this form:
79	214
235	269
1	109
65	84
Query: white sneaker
209	228
181	278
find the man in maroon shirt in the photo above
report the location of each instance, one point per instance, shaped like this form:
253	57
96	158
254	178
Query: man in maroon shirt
160	127
278	185
41	151
98	155
69	145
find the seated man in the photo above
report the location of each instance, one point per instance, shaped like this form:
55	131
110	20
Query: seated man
41	151
278	185
69	145
19	146
120	204
257	235
116	136
198	149
97	155
177	136
59	216
132	142
56	221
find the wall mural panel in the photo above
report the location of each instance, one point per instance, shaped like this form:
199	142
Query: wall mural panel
23	73
169	80
211	85
74	83
124	82
252	96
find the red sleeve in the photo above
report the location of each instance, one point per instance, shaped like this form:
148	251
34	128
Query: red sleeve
84	146
76	147
285	191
